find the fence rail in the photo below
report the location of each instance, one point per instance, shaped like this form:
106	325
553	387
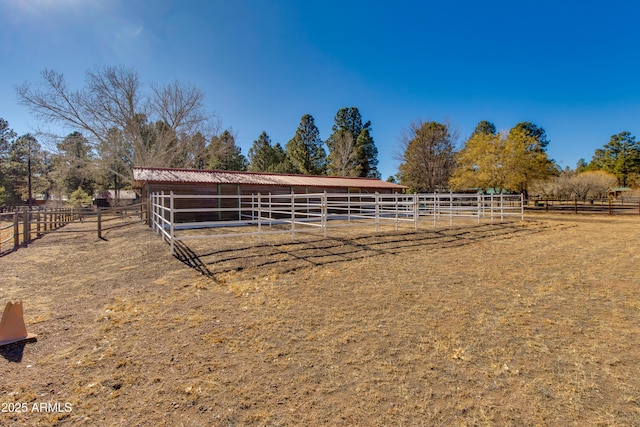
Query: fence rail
301	213
19	227
611	206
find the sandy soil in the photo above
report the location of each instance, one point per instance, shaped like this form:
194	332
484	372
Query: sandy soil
532	323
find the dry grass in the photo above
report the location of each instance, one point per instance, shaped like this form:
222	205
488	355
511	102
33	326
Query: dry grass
529	323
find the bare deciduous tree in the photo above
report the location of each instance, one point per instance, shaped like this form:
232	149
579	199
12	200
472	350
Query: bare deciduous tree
427	155
583	186
342	157
157	125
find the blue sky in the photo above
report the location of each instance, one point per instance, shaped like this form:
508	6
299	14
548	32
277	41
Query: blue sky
570	67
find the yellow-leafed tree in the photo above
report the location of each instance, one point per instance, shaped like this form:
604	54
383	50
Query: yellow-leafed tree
501	162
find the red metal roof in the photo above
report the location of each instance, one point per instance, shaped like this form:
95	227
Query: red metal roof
165	175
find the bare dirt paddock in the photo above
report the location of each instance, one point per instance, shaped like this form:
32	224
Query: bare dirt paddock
533	323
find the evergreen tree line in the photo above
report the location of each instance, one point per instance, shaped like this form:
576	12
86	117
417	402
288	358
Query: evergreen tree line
352	150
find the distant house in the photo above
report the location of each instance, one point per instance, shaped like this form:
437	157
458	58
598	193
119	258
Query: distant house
228	183
617	192
110	198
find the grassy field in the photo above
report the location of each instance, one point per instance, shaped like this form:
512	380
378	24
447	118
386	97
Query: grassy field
532	323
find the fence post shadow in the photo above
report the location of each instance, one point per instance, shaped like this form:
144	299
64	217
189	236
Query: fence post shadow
185	255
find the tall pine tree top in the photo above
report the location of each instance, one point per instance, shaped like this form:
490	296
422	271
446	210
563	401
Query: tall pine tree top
352	151
305	149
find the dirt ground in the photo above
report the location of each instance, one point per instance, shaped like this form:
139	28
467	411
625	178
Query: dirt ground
522	323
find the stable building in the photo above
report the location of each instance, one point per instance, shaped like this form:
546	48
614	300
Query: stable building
235	183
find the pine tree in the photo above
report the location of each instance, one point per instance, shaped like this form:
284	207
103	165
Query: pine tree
74	165
224	154
305	151
263	157
352	151
621	157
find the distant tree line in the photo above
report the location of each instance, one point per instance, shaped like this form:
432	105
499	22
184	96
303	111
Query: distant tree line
116	122
512	161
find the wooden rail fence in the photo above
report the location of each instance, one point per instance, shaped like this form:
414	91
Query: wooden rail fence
611	206
18	228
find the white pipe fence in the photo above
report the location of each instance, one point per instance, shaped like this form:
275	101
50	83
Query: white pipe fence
311	212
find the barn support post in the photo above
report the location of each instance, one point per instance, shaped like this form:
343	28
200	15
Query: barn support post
171	236
253	207
239	204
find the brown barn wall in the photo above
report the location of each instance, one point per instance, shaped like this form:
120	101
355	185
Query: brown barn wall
233	189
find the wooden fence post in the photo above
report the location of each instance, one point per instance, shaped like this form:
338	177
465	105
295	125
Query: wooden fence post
16	230
99	223
26	227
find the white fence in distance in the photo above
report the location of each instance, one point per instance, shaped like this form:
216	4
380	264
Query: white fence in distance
320	211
